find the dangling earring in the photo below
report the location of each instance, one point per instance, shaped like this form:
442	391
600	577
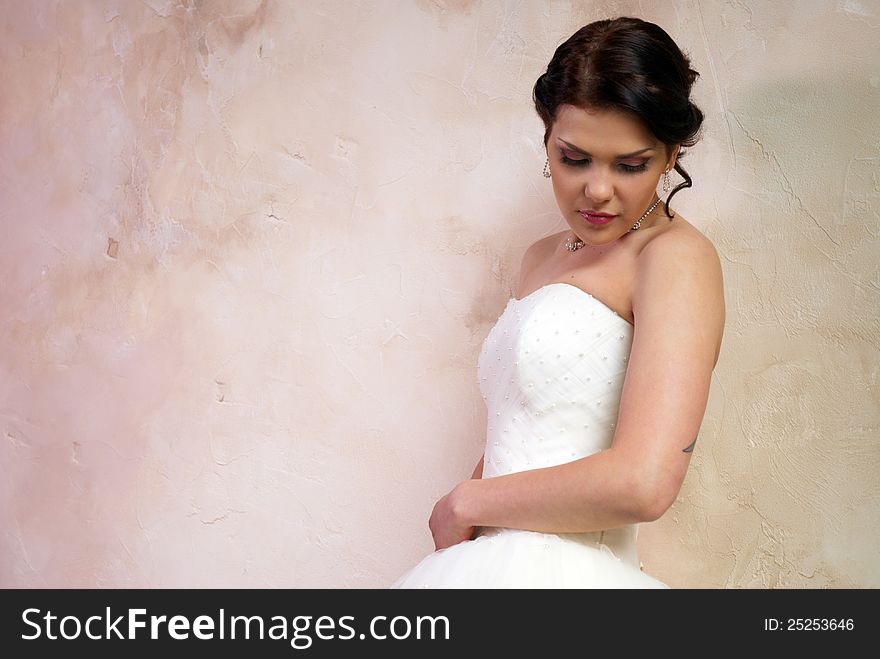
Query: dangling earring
666	180
547	168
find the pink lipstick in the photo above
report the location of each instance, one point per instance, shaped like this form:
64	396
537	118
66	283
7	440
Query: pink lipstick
596	218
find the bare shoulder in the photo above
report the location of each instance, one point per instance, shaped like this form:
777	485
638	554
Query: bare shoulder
541	246
536	254
680	235
679	272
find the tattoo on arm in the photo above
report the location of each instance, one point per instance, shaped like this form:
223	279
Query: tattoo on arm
690	449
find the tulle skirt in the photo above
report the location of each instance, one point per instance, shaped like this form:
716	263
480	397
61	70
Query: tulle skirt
512	558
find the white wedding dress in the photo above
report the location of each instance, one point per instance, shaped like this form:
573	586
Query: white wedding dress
551	371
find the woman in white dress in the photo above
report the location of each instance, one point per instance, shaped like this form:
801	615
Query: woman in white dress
596	375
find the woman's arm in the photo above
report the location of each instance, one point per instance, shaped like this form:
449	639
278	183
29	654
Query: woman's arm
678	302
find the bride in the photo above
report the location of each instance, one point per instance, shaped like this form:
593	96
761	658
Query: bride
596	375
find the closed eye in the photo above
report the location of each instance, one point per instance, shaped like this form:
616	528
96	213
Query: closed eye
574	163
632	169
583	162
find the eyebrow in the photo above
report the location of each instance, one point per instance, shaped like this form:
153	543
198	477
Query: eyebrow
586	153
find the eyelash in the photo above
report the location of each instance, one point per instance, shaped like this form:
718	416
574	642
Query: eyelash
629	169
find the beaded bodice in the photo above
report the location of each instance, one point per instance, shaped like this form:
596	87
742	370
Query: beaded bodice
551	371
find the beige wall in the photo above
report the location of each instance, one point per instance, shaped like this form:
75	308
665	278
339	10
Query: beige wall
250	251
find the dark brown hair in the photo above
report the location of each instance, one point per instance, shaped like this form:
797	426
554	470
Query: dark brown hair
630	65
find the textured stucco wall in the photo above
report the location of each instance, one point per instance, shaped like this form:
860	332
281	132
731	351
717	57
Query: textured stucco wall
250	250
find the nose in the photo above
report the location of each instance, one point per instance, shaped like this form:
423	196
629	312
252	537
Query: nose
598	187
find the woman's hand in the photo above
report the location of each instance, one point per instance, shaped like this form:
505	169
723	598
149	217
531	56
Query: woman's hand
447	523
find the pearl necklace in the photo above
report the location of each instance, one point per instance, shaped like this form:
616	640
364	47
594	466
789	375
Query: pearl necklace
574	246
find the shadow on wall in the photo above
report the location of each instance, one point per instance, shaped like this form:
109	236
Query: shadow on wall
799	246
